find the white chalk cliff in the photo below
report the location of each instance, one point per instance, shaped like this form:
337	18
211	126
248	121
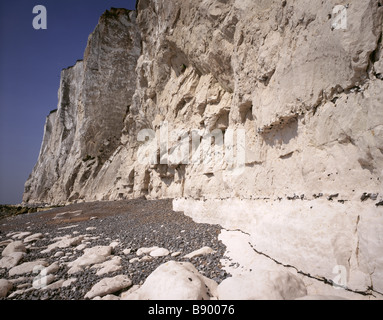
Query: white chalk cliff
292	92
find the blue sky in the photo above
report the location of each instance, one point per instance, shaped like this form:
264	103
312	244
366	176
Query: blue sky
30	65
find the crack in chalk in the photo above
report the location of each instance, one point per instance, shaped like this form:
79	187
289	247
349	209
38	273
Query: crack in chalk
324	280
233	230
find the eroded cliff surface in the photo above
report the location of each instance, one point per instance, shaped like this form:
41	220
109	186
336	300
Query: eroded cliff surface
291	95
94	98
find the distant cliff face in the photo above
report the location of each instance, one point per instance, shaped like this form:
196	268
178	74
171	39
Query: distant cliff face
94	98
288	92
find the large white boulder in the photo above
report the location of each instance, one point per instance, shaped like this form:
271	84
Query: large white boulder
28	267
175	281
91	256
109	285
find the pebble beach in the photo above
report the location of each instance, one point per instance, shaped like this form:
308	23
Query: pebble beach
127	240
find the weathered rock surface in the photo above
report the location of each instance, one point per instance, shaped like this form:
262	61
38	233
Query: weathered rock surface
175	281
278	71
33	237
13	247
94	98
160	252
267	285
11	260
91	256
27	267
5	286
64	242
109	285
317	237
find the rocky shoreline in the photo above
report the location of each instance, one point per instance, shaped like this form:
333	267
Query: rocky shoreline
62	254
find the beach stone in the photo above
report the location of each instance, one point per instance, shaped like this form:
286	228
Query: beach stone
200	252
33	237
27	267
131	294
175	281
91	256
146	258
58	254
53	268
54	286
108	286
264	285
75	270
16	246
12	260
68	282
127	251
5	287
160	252
81	247
65	242
114	244
42	281
109	266
5	242
146	251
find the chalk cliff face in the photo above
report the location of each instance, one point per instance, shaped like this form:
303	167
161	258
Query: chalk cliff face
290	90
94	98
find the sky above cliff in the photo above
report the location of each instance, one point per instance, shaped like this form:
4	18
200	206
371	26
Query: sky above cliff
30	65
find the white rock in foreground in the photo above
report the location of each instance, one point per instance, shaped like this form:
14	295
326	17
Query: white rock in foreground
28	267
175	281
91	256
108	286
5	287
161	252
11	260
322	298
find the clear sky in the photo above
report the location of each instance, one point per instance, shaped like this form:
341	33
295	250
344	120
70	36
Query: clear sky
30	65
